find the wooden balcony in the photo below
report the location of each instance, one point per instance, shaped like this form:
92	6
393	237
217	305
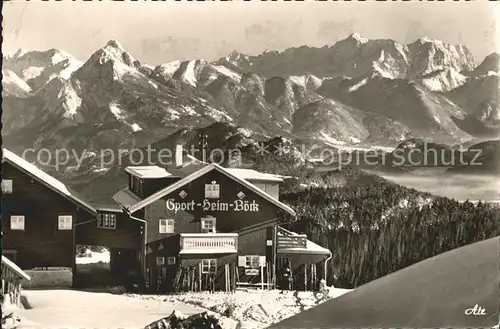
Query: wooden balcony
288	239
208	243
297	241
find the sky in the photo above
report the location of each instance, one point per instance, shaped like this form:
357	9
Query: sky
159	32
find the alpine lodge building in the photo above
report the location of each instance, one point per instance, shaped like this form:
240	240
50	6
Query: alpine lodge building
192	227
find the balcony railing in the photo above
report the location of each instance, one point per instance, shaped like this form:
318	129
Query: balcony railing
209	242
288	239
296	241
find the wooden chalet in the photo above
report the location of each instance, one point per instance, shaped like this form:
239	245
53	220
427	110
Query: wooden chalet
11	282
43	221
213	228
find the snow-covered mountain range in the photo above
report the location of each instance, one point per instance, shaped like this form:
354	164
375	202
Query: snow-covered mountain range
357	91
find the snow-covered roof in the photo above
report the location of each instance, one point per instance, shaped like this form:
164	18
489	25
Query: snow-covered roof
13	266
311	248
126	198
250	174
187	168
44	178
147	171
197	174
116	209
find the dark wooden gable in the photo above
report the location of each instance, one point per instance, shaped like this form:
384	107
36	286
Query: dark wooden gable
237	206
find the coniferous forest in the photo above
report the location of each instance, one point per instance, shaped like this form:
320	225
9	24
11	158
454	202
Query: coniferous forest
375	227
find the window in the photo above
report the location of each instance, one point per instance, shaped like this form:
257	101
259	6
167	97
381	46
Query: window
135	185
65	222
106	221
167	226
7	186
207	225
17	223
171	260
252	261
139	186
132	183
160	261
209	266
212	190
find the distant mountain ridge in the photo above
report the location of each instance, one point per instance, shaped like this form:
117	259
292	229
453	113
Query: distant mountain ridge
356	56
355	92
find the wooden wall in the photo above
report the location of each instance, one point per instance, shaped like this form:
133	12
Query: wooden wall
250	241
127	234
41	243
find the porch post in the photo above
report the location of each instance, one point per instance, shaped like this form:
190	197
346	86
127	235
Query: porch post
275	252
305	277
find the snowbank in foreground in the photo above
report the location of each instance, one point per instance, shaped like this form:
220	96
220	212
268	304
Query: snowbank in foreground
252	309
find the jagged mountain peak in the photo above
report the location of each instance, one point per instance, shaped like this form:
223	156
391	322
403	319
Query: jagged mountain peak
492	57
36	68
431	42
426	39
195	73
235	55
113	51
428	55
19	52
357	37
234	61
43	58
357	56
110	62
114	44
490	63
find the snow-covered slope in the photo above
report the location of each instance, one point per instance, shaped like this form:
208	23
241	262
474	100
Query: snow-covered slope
37	68
14	85
308	81
357	56
426	113
480	98
195	73
443	80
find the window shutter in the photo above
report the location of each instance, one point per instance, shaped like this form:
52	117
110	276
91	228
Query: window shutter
169	226
7	186
262	260
160	261
112	221
208	191
162	226
242	261
214	225
216	191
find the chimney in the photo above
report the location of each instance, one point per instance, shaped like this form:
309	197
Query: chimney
178	156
